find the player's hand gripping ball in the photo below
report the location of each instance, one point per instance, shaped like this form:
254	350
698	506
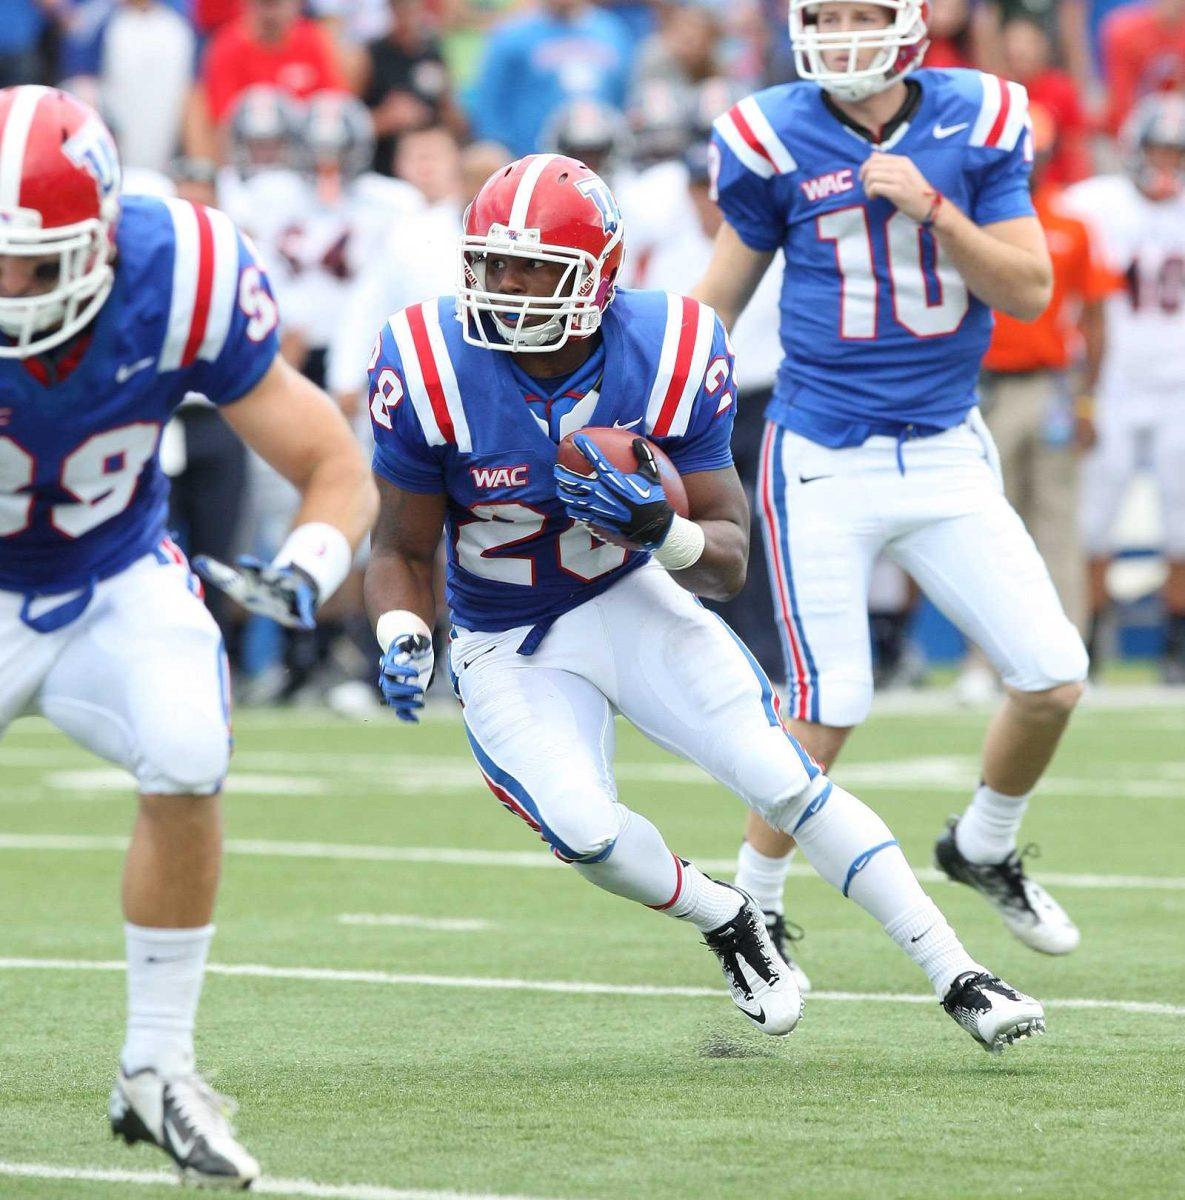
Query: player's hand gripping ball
620	485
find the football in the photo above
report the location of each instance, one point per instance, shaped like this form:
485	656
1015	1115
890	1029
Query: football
617	445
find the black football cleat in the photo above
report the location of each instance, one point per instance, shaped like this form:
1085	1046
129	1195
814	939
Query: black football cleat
991	1011
760	983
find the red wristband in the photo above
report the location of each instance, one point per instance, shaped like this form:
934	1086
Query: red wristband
927	222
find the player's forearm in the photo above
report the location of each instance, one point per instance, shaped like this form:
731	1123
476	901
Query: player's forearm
340	491
1011	279
719	572
396	582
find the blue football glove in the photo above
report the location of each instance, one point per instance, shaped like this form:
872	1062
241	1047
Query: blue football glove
405	671
633	506
285	594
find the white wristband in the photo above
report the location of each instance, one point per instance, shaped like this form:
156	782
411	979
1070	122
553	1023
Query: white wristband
683	545
322	551
396	623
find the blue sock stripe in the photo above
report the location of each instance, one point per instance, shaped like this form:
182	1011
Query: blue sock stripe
815	805
522	797
862	860
779	491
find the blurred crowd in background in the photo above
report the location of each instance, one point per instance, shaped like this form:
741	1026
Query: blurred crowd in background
346	137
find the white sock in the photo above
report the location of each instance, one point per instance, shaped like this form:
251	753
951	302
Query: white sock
925	935
763	877
642	868
852	848
986	832
703	902
165	970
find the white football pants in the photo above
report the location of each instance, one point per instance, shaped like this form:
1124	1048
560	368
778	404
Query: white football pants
541	725
140	678
1133	429
934	506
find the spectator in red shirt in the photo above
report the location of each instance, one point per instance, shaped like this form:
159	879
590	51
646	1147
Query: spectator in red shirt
1143	51
271	43
1027	56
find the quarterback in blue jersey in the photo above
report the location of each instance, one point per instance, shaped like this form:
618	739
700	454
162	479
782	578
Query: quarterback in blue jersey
573	594
110	314
900	198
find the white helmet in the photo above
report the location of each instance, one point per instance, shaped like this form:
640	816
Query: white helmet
900	46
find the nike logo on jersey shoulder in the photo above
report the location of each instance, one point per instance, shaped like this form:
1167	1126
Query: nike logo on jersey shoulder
945	131
125	371
627	424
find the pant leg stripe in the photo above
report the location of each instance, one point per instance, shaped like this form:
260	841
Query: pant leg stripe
790	651
518	800
808	697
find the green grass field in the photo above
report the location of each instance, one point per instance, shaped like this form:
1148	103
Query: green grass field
394	1060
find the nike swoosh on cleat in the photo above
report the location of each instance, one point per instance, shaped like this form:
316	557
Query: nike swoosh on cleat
945	131
758	1016
181	1147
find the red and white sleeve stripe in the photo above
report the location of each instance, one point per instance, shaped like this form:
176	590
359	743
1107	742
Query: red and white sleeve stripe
428	371
205	284
1003	113
749	135
682	363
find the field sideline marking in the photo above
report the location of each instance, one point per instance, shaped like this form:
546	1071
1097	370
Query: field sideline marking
556	986
529	859
264	1187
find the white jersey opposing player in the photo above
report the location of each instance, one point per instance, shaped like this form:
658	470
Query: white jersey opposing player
1139	218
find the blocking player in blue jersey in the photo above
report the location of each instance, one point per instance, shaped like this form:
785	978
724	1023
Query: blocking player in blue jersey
110	314
901	200
573	596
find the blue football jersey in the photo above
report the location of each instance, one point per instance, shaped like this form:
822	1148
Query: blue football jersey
459	419
82	494
878	329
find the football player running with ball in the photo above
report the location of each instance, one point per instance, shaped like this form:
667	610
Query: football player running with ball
901	201
110	314
573	593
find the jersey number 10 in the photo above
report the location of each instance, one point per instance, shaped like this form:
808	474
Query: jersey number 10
929	298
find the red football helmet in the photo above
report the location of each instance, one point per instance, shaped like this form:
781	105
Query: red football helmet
59	197
552	209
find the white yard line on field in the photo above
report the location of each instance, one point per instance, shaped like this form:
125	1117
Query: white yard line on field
112	779
556	986
408	774
264	1187
528	859
402	921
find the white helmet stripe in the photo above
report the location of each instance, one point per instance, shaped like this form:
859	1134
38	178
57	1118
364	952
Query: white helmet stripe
16	139
526	189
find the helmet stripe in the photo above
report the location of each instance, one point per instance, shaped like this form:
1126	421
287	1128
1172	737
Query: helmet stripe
526	189
15	142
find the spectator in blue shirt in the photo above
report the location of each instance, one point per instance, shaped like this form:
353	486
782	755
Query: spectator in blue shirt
20	42
538	61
